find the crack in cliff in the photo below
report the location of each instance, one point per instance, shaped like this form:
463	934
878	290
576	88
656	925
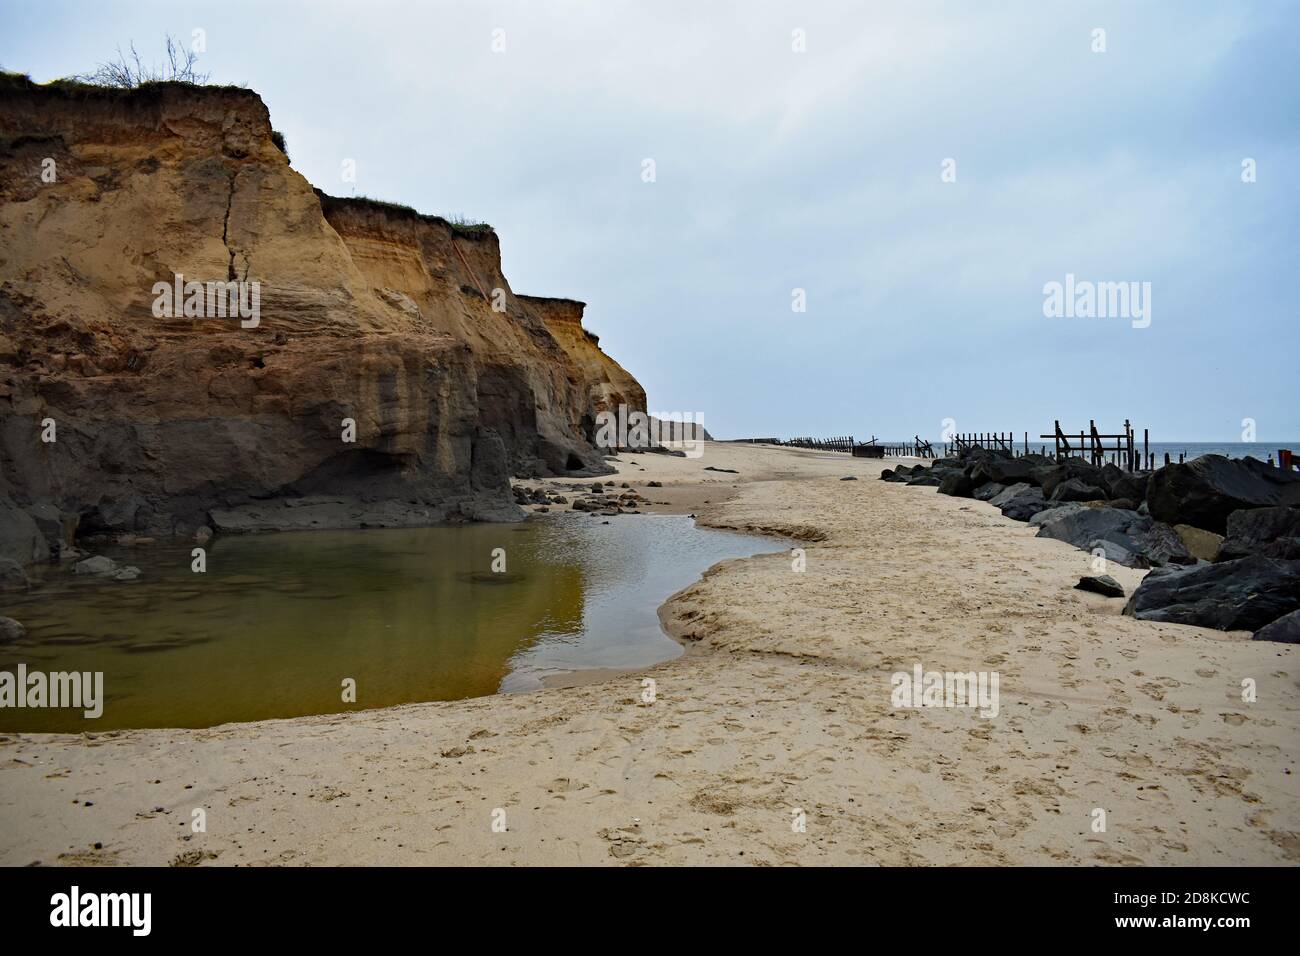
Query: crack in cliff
231	275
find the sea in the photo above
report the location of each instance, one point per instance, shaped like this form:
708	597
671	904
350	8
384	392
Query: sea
1195	449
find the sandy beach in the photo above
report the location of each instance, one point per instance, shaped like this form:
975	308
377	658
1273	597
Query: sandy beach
780	706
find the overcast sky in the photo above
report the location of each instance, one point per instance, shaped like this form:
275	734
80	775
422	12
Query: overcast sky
821	170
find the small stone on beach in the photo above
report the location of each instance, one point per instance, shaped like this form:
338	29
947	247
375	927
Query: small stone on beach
1100	584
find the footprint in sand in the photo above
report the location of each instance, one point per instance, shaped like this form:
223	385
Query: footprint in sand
1117	692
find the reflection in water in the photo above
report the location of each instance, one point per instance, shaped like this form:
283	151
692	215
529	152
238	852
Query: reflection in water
278	621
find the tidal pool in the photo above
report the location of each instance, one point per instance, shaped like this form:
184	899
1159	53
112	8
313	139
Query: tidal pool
279	621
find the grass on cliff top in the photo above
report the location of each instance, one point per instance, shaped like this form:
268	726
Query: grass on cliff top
460	226
69	86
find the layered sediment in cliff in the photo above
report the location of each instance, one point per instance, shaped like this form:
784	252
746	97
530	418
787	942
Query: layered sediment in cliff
116	419
604	385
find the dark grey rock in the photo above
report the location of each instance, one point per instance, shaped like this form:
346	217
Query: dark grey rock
1076	489
1049	476
1019	502
1082	526
1272	532
1010	491
1100	584
1159	542
1003	471
117	515
1123	484
1285	630
1244	594
988	491
1126	537
11	630
957	484
57	527
12	576
1052	511
1121	550
1205	491
21	539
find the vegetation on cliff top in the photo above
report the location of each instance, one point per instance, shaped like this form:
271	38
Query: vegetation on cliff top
457	224
76	86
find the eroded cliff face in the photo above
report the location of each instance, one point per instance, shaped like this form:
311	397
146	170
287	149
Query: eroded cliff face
368	312
607	384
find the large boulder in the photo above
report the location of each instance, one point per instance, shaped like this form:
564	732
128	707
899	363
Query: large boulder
925	478
1036	460
1053	510
1003	471
58	527
11	630
988	491
1272	532
945	466
1125	537
1204	491
978	453
1286	629
21	540
1076	489
1123	484
1080	527
1241	595
1126	554
956	483
1019	501
124	513
1159	543
12	576
1049	476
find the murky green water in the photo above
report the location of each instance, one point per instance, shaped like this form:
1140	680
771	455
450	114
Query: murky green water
278	621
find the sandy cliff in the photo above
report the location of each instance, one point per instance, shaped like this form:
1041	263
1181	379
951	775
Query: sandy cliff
368	312
605	384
